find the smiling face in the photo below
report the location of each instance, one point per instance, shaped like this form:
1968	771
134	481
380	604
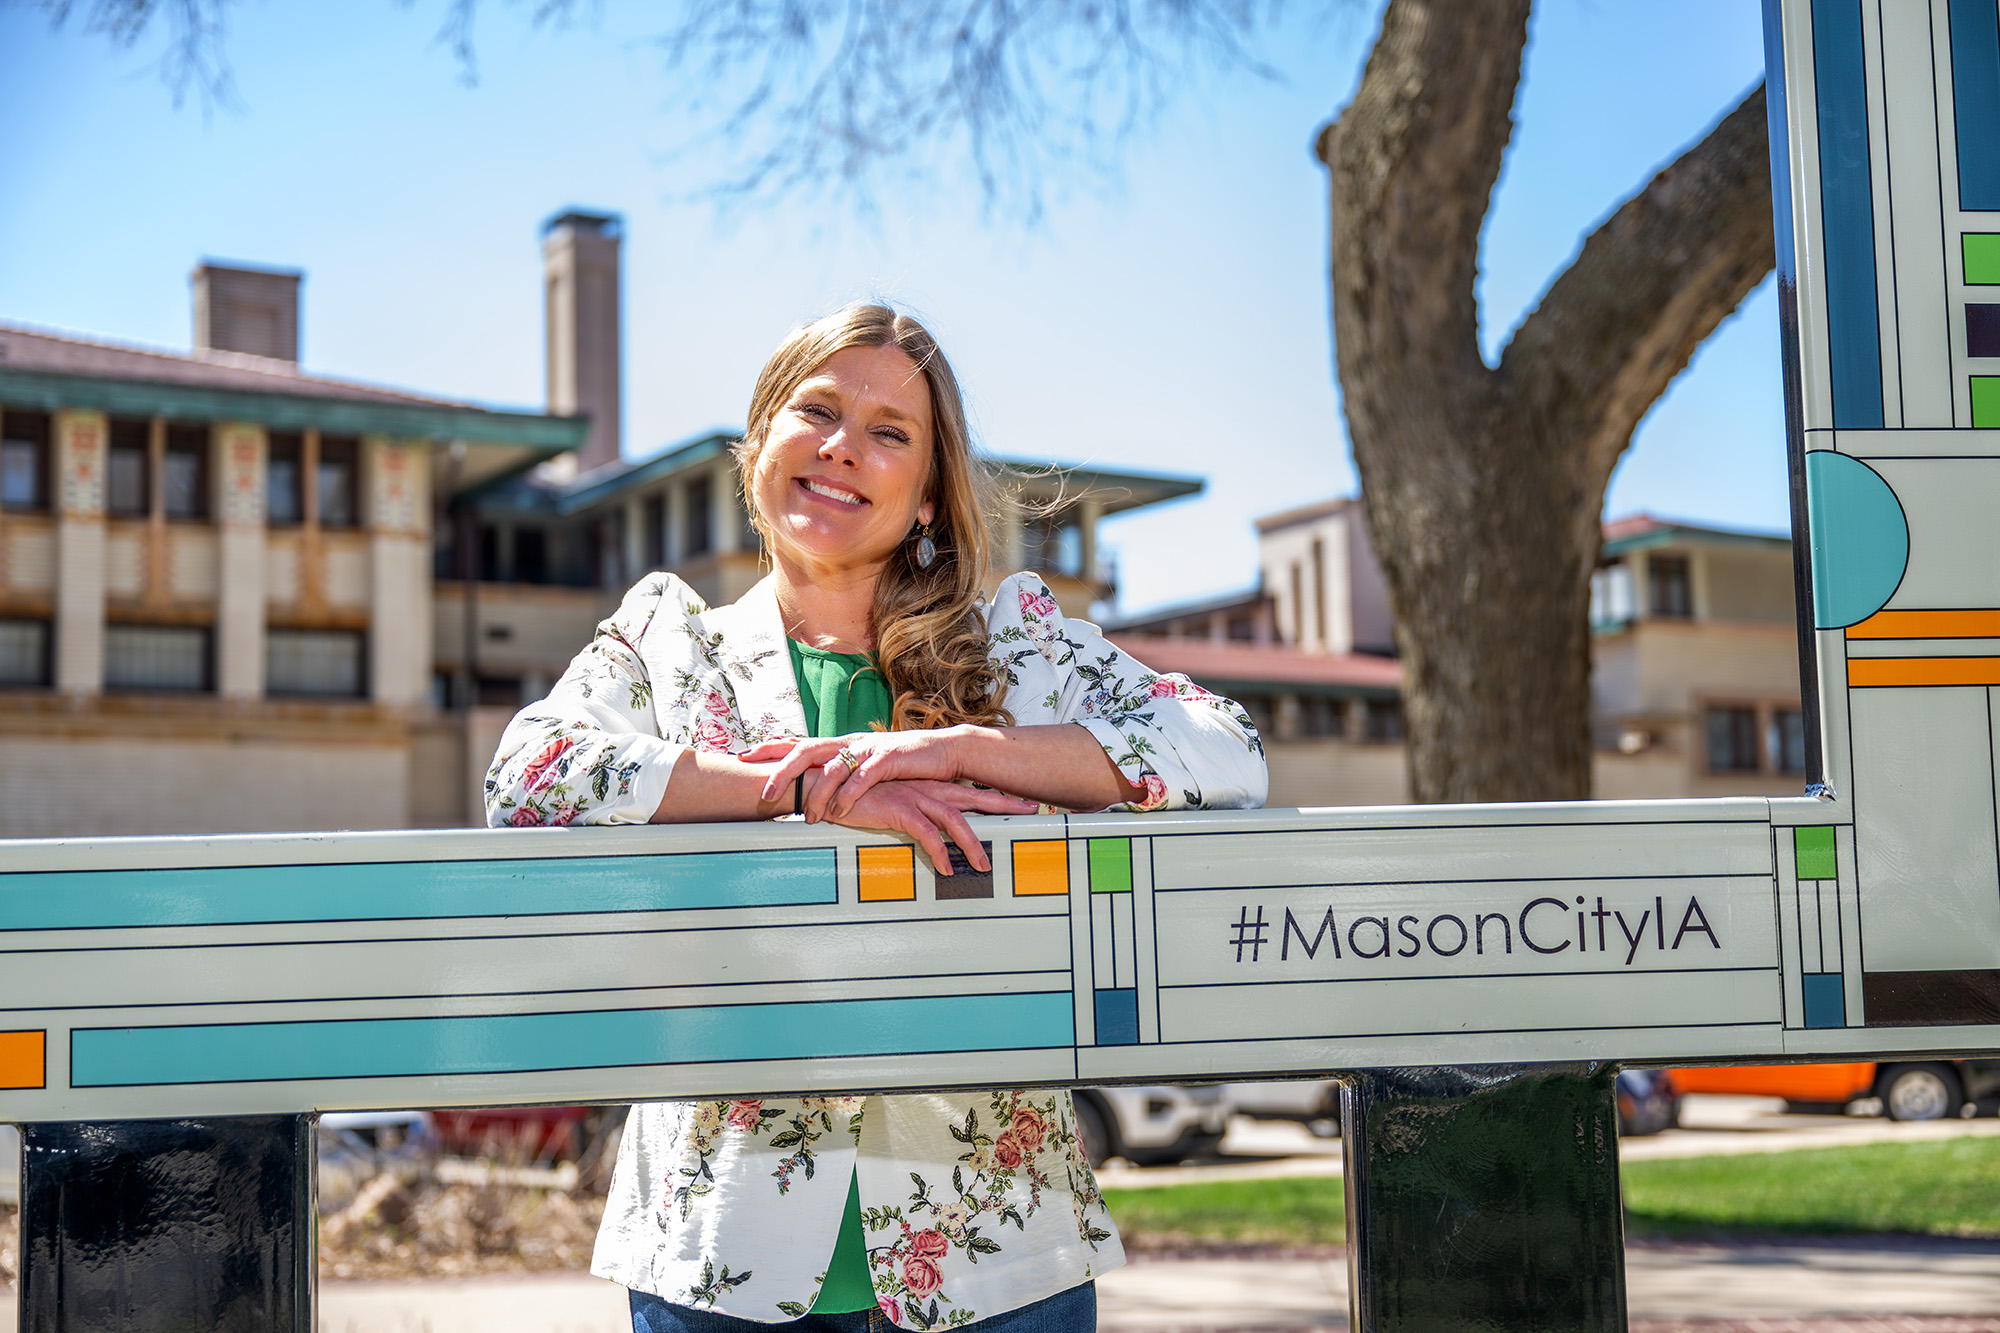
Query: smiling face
844	468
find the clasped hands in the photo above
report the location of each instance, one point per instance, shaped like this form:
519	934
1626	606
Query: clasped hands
907	782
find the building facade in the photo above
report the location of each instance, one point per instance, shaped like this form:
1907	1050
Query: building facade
1695	663
1695	667
238	597
215	585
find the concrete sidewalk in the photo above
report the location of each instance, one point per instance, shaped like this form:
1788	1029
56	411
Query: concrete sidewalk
1871	1286
1706	1283
1882	1284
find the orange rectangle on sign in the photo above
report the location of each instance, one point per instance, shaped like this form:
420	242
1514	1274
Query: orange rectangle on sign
1885	671
1040	867
888	874
24	1059
1928	625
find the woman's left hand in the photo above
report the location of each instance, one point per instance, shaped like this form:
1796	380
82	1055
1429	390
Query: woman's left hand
880	756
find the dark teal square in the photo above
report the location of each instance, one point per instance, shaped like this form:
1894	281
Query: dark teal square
1118	1017
1826	1000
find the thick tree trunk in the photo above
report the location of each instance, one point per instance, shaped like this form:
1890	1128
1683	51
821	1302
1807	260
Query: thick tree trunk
1483	485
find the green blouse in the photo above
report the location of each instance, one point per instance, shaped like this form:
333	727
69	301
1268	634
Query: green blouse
842	693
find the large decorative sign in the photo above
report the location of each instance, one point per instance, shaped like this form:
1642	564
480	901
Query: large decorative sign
223	976
262	974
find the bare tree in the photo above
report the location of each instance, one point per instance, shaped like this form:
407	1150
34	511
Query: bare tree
1483	484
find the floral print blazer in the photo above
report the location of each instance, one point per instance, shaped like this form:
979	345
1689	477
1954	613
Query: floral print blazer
972	1204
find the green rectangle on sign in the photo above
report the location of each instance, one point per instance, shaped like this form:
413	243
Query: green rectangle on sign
1985	401
1110	865
1815	852
1982	258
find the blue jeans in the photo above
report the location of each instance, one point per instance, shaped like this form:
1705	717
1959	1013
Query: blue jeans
1072	1311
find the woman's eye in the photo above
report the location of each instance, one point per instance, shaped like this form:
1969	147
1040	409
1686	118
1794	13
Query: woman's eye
818	411
891	433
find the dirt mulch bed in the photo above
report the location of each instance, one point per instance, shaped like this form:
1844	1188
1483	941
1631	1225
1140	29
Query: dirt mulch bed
394	1230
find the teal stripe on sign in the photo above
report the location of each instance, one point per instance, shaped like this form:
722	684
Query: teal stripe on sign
1847	215
520	1043
413	890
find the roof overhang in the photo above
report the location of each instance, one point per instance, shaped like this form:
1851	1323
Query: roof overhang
1679	535
591	490
539	432
1114	491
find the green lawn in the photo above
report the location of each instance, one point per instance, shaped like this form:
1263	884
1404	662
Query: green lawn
1948	1187
1298	1211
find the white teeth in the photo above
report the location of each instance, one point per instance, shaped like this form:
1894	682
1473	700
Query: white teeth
845	497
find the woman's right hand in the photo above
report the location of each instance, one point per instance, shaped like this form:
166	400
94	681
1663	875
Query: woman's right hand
928	812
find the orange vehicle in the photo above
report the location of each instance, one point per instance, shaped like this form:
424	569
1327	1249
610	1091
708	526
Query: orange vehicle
1929	1090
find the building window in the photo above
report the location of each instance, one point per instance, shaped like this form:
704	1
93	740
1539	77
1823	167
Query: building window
531	556
1052	544
128	492
700	516
1384	720
655	535
1611	597
1667	577
24	654
1732	740
284	479
158	657
337	478
1321	717
1786	740
609	541
1259	708
489	553
1069	551
319	662
184	472
24	459
501	692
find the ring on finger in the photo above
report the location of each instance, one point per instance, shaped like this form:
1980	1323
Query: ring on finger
849	758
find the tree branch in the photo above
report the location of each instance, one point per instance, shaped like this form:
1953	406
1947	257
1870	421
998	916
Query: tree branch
1413	161
194	55
1649	285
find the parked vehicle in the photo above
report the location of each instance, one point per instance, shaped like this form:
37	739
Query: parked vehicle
355	1146
515	1134
1917	1090
1649	1100
1150	1125
1312	1102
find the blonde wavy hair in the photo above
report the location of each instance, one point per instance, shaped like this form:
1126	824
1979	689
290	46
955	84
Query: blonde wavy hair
930	641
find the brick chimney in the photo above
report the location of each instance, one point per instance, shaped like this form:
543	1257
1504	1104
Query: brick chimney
253	310
580	259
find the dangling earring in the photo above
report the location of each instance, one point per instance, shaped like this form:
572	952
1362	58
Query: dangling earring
926	548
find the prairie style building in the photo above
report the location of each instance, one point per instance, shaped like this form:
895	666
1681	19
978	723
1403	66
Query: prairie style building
239	597
1695	681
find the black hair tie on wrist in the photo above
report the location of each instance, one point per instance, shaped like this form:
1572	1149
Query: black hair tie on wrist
799	794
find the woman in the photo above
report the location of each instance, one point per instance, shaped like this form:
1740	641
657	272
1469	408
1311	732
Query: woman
864	681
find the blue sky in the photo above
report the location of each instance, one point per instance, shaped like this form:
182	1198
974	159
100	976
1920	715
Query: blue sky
1173	318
